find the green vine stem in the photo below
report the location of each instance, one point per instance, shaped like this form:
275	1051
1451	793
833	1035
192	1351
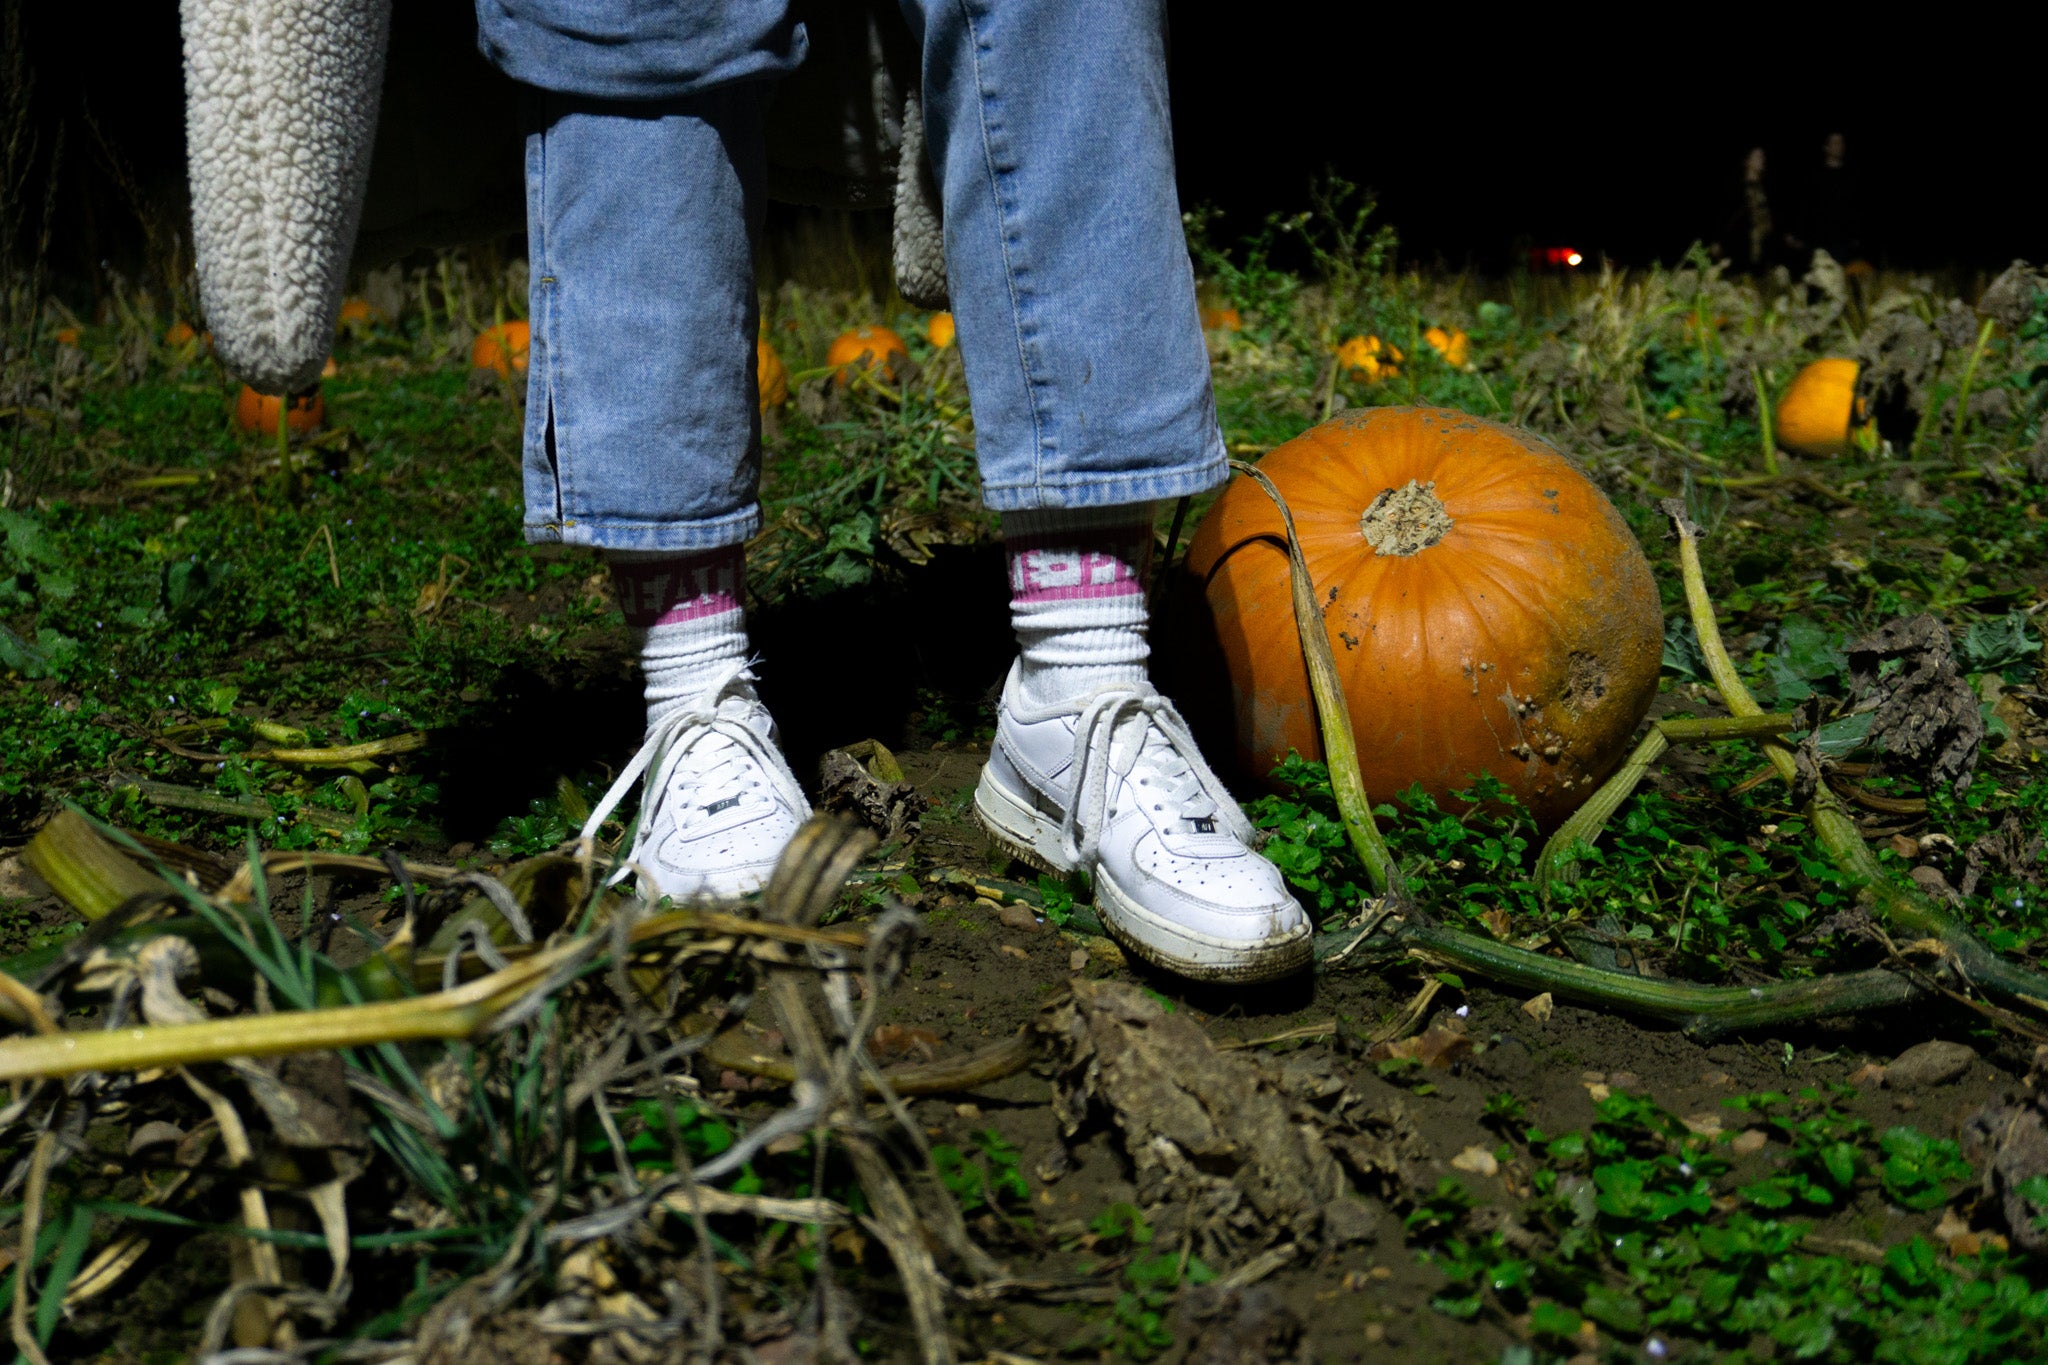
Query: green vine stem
1340	748
1763	418
1704	1012
1903	910
1969	383
1556	863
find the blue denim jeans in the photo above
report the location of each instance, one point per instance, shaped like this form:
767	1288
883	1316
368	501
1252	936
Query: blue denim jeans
1071	287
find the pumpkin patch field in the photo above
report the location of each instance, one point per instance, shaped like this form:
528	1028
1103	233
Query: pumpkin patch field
1662	764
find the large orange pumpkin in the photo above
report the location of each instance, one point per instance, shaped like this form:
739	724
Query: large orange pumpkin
873	349
1820	410
258	411
770	378
1489	610
502	348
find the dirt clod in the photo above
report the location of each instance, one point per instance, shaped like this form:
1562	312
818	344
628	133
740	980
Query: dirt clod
1215	1142
1935	1062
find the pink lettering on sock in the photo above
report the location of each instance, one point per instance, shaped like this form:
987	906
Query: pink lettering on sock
702	605
1053	575
685	588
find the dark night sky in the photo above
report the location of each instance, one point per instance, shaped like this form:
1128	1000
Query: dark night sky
1480	136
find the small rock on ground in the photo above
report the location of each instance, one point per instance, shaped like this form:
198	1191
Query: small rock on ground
1936	1062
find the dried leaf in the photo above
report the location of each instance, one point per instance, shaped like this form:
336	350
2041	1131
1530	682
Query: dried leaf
1438	1046
890	1041
1477	1160
1926	712
893	809
1213	1139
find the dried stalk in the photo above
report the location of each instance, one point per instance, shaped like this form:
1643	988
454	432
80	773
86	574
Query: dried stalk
1340	747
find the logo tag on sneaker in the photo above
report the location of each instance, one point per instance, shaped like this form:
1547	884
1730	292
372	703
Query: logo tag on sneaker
716	806
1205	824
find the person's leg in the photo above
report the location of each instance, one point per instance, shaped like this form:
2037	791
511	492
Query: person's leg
642	428
1075	303
643	435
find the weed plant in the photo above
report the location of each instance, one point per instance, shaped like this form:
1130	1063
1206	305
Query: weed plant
1649	1230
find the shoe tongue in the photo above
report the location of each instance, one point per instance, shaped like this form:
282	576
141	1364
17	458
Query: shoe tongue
1145	743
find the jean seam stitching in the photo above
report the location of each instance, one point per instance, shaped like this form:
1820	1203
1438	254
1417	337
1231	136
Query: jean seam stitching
558	406
1002	207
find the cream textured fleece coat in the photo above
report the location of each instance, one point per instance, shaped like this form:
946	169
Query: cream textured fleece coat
281	104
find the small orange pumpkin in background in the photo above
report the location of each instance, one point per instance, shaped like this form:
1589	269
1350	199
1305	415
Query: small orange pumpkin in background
67	336
502	348
330	369
358	315
1454	346
179	333
770	378
1225	319
874	349
1363	356
939	331
1819	411
1489	610
256	412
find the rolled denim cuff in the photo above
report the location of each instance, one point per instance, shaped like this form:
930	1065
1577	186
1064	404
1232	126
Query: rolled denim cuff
609	534
1156	484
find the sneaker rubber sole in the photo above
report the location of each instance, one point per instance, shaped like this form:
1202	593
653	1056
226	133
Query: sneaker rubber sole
1019	829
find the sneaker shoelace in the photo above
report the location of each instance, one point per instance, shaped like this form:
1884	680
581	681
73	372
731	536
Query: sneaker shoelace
722	754
1142	727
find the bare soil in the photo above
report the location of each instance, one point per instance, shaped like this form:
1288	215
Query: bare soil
977	978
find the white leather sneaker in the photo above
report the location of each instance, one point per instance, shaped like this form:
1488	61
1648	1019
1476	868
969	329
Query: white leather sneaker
1112	782
719	802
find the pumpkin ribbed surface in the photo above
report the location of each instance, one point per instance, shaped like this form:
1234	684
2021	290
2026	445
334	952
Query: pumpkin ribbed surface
1489	610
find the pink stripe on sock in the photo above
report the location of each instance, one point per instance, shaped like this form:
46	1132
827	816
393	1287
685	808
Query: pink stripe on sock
702	605
1057	575
684	588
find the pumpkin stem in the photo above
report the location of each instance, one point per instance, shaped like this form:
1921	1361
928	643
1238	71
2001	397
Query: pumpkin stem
1340	746
1406	520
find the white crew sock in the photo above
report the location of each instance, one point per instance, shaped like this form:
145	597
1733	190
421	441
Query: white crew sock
1077	599
686	607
